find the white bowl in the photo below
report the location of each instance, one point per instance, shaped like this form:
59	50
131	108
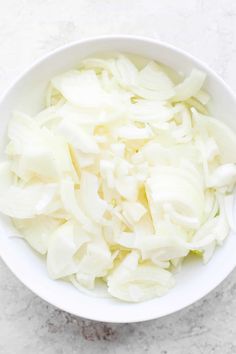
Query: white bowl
195	280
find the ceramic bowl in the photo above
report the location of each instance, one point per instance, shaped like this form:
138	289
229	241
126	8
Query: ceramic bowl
195	280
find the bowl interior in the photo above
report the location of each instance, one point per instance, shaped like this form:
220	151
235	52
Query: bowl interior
195	280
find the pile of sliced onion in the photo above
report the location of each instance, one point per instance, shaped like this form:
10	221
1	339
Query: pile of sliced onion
121	176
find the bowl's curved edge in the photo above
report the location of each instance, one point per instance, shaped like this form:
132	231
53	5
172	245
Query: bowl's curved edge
137	317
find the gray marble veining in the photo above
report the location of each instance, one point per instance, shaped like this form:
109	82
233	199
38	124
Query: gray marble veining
31	28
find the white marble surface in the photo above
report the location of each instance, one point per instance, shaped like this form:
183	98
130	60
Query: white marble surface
30	28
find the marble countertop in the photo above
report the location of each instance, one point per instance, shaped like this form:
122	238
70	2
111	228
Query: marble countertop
31	28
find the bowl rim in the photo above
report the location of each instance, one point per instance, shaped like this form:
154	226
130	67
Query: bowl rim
138	317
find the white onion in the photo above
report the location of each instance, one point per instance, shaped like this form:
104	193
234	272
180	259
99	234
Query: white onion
121	176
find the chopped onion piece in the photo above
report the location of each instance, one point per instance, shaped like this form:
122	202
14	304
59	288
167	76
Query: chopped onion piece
190	86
